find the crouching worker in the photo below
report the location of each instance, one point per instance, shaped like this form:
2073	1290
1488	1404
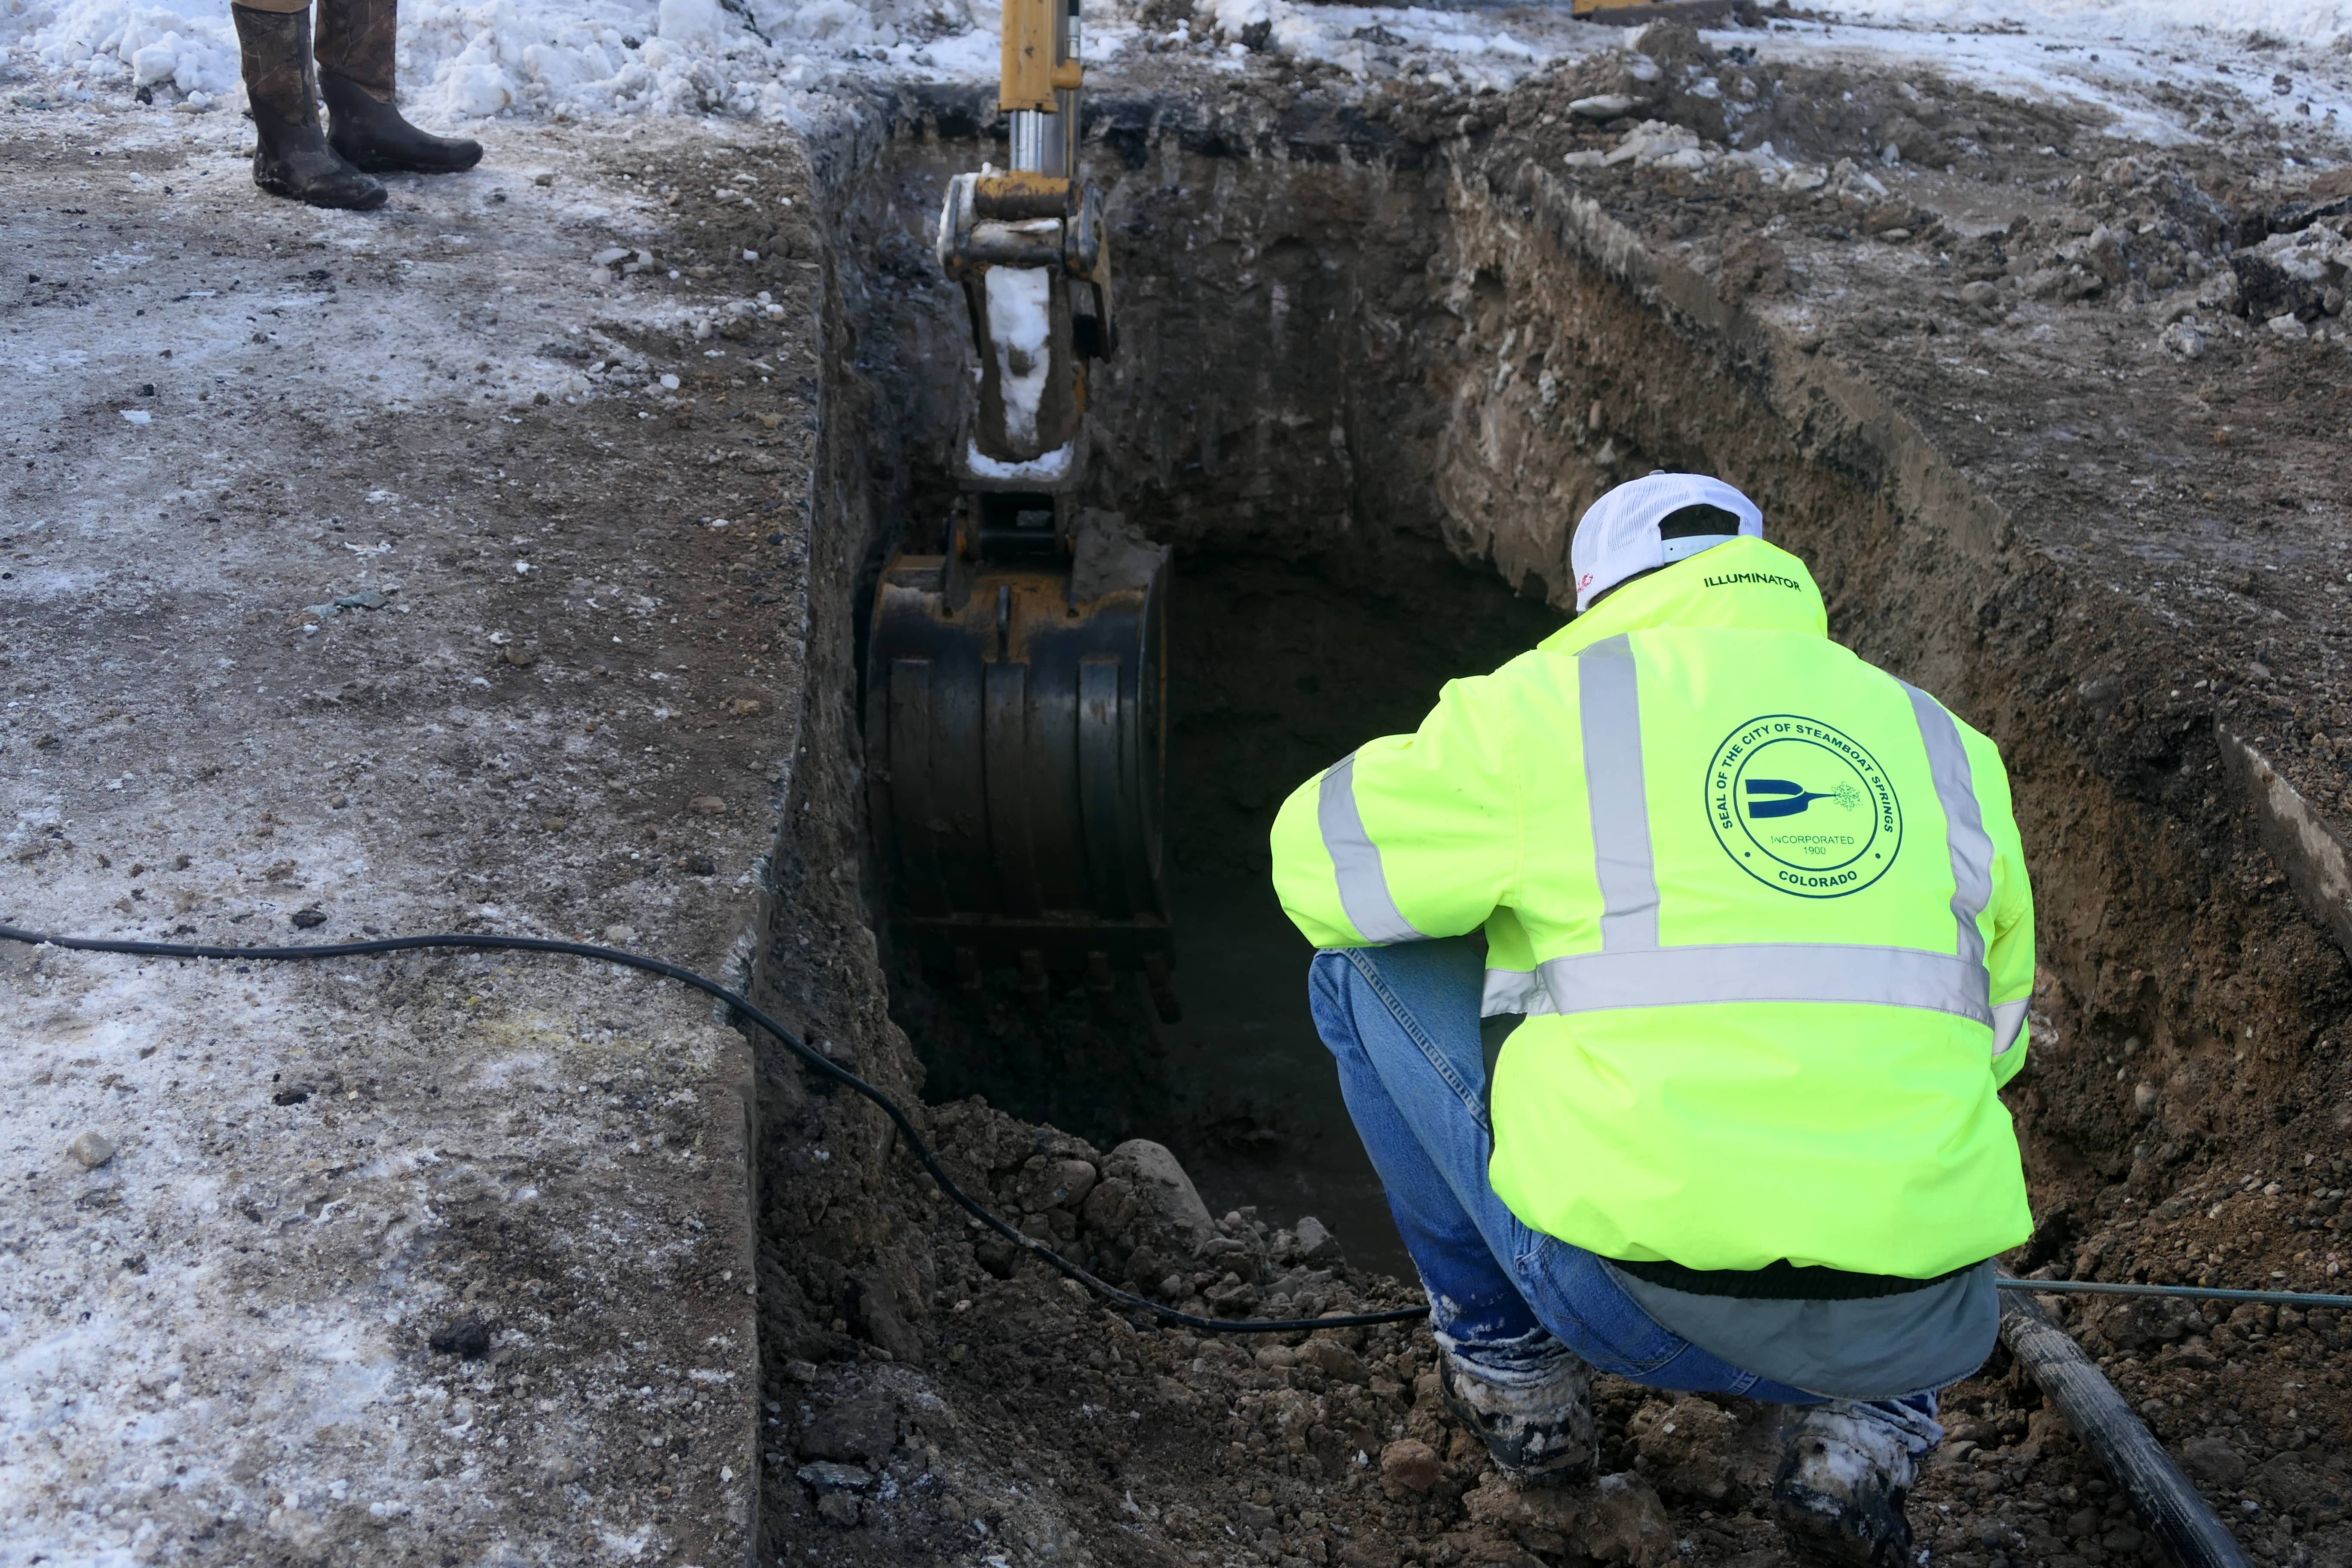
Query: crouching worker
1714	1109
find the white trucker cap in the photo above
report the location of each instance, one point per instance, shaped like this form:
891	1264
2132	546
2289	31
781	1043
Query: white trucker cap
1618	535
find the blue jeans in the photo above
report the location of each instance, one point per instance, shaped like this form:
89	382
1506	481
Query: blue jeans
1508	1302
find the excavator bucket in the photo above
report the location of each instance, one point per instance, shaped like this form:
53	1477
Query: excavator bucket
1014	734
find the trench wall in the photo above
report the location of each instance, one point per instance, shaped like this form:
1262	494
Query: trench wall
1364	352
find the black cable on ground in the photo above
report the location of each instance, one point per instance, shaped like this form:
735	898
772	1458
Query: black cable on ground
2192	1534
2191	1292
799	1047
922	1151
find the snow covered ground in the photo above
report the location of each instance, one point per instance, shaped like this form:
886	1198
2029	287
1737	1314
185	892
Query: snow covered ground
2144	21
2293	62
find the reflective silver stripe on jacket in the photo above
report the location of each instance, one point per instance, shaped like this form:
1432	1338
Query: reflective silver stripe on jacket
1768	971
1356	859
1964	831
2008	1023
1608	695
1519	991
1522	992
1631	969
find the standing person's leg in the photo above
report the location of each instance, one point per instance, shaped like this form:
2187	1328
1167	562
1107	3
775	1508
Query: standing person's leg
290	155
1505	1375
356	43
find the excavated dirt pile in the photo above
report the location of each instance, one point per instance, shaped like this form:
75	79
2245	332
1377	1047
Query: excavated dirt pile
2054	415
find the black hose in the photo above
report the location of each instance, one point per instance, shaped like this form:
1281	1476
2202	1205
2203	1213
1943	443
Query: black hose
802	1048
2187	1292
2193	1536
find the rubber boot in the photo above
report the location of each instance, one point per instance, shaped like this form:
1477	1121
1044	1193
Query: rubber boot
290	156
1539	1433
1838	1494
355	71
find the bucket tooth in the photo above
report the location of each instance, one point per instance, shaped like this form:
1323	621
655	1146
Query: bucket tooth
1034	982
1160	979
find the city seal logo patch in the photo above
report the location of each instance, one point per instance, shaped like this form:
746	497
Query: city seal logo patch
1802	806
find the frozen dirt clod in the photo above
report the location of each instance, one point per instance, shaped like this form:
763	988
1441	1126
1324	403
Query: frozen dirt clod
1615	1518
1692	1447
1147	1198
92	1149
1409	1466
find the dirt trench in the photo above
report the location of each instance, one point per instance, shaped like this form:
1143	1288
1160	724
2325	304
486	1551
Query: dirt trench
1363	367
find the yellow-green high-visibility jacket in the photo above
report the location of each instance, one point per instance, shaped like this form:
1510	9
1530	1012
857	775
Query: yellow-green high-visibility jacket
1763	905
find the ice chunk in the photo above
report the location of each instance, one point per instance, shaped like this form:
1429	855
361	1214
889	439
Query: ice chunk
1601	106
158	61
1236	18
1655	141
476	83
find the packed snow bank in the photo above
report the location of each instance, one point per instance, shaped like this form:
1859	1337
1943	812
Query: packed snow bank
460	59
188	45
473	58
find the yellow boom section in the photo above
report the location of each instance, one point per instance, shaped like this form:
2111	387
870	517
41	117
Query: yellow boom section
1034	62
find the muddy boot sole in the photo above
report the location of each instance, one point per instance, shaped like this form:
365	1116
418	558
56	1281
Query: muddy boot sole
1824	1545
1833	1551
1867	1530
1548	1447
341	189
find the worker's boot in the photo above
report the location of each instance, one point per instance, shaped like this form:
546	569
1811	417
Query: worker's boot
1838	1494
290	155
1537	1430
355	71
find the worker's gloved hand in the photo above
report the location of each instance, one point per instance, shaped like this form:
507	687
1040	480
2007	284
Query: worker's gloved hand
1848	1466
1537	1427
